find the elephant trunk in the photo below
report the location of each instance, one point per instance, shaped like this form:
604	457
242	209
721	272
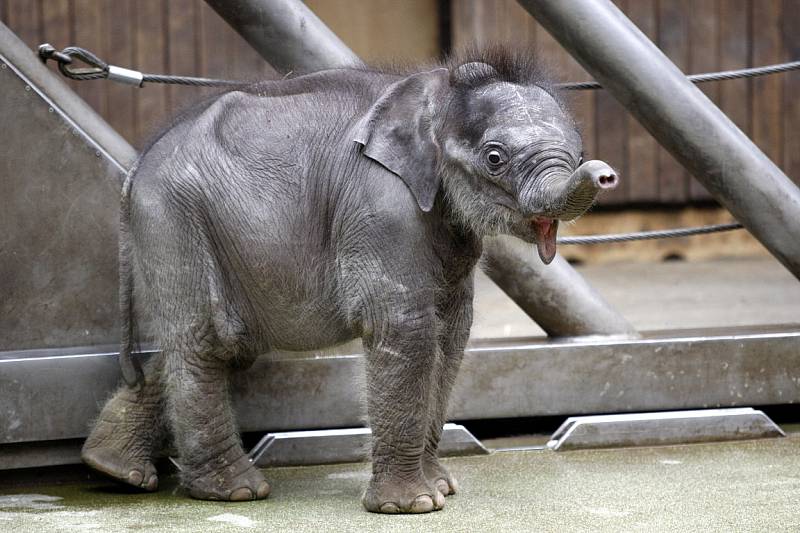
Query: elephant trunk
565	197
562	196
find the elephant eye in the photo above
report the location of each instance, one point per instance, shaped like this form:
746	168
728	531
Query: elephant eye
495	158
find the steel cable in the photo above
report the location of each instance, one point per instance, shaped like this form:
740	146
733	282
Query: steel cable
99	69
700	78
647	235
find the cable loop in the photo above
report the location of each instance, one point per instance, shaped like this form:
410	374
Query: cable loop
96	69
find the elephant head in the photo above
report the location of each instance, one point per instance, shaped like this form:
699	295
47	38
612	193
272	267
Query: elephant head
495	140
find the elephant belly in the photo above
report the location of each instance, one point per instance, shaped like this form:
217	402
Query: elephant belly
305	326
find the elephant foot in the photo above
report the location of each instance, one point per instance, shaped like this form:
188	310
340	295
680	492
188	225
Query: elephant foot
395	495
236	481
440	477
111	462
119	445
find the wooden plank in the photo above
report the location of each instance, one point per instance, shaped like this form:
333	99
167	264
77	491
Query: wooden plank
56	23
767	117
463	23
150	56
791	91
181	51
24	19
56	30
673	39
90	32
642	168
611	136
515	26
483	22
212	43
704	57
735	42
379	30
120	99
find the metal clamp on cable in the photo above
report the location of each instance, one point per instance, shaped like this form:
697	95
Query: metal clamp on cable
126	76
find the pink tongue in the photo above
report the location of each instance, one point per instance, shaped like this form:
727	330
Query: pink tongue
545	230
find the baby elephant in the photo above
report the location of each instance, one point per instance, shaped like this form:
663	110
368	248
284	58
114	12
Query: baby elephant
302	213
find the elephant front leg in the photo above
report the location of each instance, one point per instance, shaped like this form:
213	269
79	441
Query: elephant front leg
399	386
456	313
444	378
214	465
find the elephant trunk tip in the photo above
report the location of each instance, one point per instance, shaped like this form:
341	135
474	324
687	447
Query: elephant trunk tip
603	176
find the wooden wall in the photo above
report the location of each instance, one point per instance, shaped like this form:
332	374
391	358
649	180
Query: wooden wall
187	37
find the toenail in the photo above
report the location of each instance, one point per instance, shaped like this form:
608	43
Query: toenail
423	504
242	494
135	477
453	486
263	490
152	483
390	508
443	487
438	500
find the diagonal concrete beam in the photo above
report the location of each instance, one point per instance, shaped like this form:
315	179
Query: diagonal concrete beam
292	38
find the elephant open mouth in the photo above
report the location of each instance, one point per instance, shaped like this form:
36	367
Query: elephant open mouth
545	231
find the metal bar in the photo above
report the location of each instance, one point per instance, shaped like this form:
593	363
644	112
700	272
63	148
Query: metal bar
663	428
291	38
286	33
681	118
671	370
349	445
555	296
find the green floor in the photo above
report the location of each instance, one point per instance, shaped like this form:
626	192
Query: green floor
740	486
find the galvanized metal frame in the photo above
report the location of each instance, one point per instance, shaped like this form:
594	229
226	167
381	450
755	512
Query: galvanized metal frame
499	379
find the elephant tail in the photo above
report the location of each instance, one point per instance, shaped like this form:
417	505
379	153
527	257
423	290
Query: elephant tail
130	366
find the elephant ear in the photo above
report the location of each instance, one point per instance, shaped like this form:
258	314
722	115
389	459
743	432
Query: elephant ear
397	132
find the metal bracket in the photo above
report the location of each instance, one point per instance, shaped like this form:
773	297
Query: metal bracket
345	445
653	429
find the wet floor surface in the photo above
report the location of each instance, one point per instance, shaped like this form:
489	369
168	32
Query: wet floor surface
737	486
658	296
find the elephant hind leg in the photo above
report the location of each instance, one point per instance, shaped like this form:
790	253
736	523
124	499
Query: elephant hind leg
214	465
128	431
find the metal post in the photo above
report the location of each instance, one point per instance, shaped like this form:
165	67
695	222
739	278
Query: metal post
286	33
555	296
681	118
291	38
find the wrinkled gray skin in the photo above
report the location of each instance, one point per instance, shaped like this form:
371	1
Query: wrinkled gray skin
302	213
